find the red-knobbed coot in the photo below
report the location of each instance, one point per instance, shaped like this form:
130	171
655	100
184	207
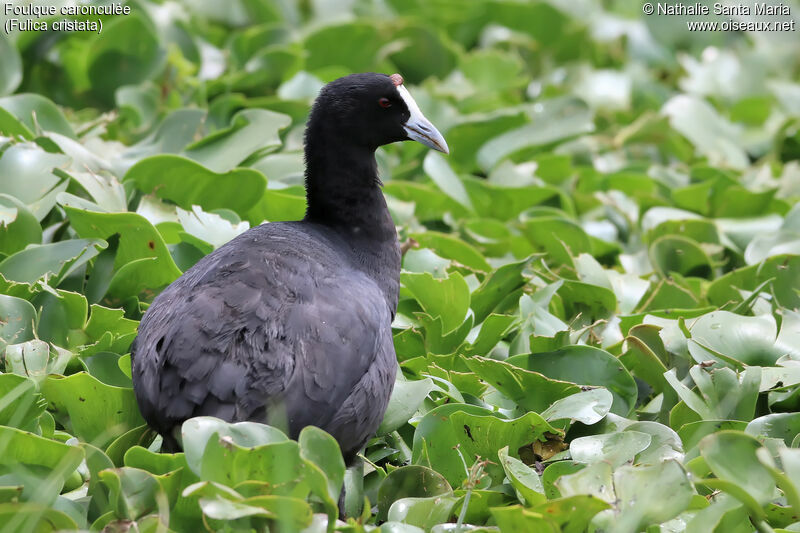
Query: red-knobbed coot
290	322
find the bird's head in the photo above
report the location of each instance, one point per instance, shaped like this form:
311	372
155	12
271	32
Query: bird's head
372	110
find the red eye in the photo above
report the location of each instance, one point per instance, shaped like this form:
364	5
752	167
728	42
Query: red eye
385	102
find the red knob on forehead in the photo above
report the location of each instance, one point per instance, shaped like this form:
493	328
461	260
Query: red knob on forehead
397	79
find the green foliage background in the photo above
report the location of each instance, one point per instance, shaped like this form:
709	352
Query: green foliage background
598	327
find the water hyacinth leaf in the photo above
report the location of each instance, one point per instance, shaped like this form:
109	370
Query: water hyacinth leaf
26	173
651	494
24	448
496	287
785	426
524	479
231	454
562	239
665	444
407	397
11	70
614	448
11	126
587	407
573	514
712	135
97	413
454	435
22	404
276	206
171	136
55	260
322	451
17	318
18	226
351	45
412	481
37	113
492	331
517	518
437	168
425	52
138	103
530	390
594	480
291	513
749	340
452	248
446	298
138	240
114	60
586	299
134	493
559	120
731	455
681	255
728	395
422	512
202	228
585	365
28	359
188	183
252	131
398	527
29	516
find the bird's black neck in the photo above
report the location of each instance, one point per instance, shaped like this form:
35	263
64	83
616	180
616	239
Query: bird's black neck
343	193
342	184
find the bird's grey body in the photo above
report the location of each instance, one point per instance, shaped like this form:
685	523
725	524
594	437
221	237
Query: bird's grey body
290	322
243	335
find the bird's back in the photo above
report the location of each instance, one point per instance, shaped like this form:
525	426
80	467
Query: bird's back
279	325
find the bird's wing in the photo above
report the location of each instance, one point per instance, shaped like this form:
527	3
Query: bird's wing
235	338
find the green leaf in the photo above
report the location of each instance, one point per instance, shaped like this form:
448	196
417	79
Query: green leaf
613	448
585	365
731	455
651	494
97	413
496	287
126	53
17	318
252	131
455	434
20	403
412	481
26	173
556	121
530	390
321	451
187	183
587	407
37	113
11	70
453	248
748	340
18	226
422	512
138	241
407	397
446	298
353	45
29	516
56	260
783	426
439	171
523	478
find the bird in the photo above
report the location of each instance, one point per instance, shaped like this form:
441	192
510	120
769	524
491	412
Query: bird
289	323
